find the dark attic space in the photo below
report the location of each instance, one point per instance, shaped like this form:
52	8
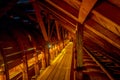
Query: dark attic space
59	39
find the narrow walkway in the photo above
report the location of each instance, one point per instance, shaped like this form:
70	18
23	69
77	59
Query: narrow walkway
60	68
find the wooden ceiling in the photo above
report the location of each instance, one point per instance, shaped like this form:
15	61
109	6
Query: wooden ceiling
100	18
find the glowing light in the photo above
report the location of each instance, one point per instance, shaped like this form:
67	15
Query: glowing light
49	45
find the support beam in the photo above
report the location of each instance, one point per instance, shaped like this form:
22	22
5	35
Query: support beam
79	38
57	29
31	18
85	9
40	21
4	75
59	17
51	31
62	10
104	33
48	27
47	54
107	18
55	14
25	67
67	27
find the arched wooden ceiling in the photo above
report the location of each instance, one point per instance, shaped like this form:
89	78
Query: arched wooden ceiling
101	19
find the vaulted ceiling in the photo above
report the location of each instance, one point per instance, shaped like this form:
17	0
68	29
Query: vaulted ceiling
100	18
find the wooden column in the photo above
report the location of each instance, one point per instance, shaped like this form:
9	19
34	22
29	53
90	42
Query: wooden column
47	54
43	60
36	66
79	45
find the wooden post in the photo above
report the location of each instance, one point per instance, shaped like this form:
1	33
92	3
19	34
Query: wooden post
4	68
47	54
25	67
36	66
79	48
3	73
43	61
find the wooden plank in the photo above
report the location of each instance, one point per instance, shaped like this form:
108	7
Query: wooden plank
111	78
62	69
85	9
57	70
49	69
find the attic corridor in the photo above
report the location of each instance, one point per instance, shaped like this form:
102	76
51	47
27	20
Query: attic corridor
60	68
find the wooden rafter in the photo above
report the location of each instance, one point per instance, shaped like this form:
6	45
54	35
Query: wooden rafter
40	21
57	29
62	10
52	30
85	9
48	27
54	13
104	33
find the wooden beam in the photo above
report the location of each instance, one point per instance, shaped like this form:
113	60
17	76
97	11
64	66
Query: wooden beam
91	26
107	18
79	47
40	21
4	66
94	42
51	30
58	16
30	17
67	27
57	29
85	9
62	10
48	27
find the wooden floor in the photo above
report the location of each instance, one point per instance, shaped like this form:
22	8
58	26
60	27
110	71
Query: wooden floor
60	68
